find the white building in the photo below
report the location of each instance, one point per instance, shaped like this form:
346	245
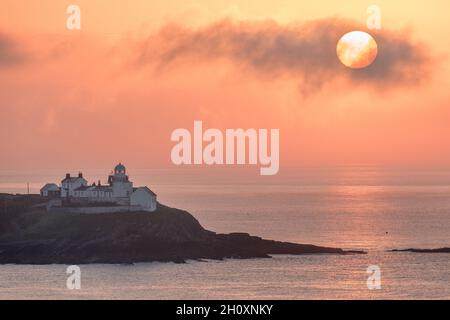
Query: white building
69	184
143	197
118	193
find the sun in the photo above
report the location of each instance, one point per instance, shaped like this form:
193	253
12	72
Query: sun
357	49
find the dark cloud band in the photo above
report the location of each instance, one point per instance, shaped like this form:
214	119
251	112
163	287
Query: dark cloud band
9	53
306	51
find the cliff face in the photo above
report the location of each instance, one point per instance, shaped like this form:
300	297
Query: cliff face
30	235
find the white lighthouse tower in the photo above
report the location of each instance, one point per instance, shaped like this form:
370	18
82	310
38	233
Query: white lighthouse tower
121	186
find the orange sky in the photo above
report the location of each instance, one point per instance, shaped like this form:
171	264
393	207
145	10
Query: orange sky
110	93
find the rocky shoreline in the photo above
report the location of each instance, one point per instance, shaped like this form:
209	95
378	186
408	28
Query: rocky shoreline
415	250
31	235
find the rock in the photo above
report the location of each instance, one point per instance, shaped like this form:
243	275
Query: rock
438	250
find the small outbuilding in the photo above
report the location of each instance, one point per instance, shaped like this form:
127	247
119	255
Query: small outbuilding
51	190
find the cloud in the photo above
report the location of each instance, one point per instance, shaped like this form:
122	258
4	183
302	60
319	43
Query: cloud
9	52
306	51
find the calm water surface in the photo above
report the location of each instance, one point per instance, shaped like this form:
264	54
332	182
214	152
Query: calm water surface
355	208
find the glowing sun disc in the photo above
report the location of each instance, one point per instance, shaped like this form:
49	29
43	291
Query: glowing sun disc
357	49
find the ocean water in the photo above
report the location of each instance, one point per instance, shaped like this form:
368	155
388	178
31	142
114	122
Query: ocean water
368	208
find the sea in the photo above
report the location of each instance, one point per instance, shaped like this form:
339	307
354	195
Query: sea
375	209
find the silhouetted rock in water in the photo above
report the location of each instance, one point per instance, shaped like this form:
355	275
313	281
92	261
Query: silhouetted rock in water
30	235
438	250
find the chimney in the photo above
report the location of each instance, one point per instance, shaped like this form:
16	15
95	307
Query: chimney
67	175
99	183
80	175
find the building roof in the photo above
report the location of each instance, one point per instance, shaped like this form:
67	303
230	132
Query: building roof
72	179
50	186
83	188
145	189
103	188
94	188
120	167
